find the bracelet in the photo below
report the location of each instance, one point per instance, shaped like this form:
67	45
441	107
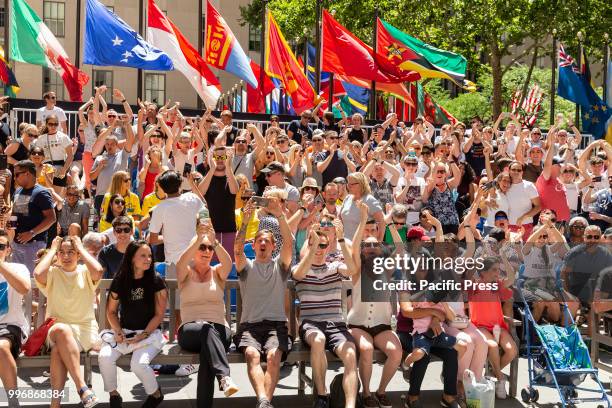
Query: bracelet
216	244
303	209
33	233
123	101
146	334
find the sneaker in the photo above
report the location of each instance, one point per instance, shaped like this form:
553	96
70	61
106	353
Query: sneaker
115	401
446	404
152	402
187	369
263	403
383	402
227	385
370	402
321	402
46	374
500	389
406	372
412	404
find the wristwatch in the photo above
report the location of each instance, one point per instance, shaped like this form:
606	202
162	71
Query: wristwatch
145	334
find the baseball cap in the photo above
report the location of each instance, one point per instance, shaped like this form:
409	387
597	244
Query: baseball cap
273	166
417	233
339	180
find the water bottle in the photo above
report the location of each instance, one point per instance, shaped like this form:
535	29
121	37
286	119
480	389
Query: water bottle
203	215
496	333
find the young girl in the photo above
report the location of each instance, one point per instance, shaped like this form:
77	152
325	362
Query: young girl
487	315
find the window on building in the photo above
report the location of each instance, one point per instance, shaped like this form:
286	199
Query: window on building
53	82
53	15
155	88
254	38
2	16
101	77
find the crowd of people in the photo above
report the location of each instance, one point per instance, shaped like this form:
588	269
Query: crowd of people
316	203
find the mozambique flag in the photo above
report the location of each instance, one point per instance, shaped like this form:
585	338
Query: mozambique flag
398	53
7	76
280	63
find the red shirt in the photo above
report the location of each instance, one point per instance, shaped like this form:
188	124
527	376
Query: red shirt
486	306
552	197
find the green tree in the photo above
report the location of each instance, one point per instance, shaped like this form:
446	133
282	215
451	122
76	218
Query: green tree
484	31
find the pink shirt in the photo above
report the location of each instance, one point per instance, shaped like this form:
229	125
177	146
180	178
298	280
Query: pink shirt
552	196
421	325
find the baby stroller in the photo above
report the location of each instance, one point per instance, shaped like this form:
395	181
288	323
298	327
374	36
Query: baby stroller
561	360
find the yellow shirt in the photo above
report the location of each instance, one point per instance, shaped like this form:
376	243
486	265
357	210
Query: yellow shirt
70	300
252	226
150	201
132	205
46	169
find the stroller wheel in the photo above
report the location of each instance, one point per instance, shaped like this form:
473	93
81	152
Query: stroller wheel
535	395
529	395
525	395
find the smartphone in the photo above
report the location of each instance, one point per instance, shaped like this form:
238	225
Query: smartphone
319	200
3	162
187	170
596	179
489	185
260	201
130	335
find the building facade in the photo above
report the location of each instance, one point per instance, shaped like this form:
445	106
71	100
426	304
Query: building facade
61	18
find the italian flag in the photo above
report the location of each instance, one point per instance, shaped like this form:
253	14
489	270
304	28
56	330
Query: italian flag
33	43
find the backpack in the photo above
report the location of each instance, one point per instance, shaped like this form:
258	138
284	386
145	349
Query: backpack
336	393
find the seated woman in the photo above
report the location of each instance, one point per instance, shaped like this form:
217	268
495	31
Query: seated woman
543	251
142	296
205	329
70	289
115	208
487	315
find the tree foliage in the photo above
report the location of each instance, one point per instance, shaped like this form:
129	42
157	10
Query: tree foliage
483	31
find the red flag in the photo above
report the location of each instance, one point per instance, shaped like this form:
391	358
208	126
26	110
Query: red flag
345	54
281	64
73	78
256	102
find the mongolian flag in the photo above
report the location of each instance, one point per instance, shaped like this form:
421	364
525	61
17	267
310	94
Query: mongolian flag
280	63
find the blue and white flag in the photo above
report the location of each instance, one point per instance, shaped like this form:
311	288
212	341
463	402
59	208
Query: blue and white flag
110	41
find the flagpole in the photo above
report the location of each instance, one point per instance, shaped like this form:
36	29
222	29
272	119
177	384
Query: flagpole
580	50
200	44
373	85
318	49
7	43
140	28
262	51
241	95
605	69
553	69
77	54
305	52
330	104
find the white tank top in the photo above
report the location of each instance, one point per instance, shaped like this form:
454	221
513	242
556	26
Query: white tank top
368	314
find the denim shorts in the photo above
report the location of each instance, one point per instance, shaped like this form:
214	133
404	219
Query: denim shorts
443	340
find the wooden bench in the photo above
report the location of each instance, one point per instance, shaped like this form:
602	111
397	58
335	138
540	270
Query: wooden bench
599	338
172	353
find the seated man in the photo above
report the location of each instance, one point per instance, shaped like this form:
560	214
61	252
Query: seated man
14	327
262	334
111	256
322	325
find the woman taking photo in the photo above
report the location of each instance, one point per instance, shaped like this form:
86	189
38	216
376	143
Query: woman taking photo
115	208
142	296
70	289
205	329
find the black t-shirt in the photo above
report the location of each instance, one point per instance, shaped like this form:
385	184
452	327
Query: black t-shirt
28	206
334	127
475	157
110	259
221	204
299	131
357	135
337	167
136	311
5	133
390	130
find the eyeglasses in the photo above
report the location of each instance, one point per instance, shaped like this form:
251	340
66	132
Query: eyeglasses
410	164
592	236
3	246
204	247
240	141
37	154
52	123
119	202
516	170
125	230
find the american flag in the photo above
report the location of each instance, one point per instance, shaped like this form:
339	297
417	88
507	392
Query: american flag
527	110
566	60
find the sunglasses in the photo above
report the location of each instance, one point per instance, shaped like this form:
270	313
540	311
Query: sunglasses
220	157
516	170
120	230
282	141
126	180
3	246
119	202
204	247
317	140
240	141
269	154
399	223
568	171
311	189
72	194
245	198
34	135
440	171
544	236
112	116
51	97
411	164
371	245
323	246
334	138
271	173
326	224
592	236
53	124
581	227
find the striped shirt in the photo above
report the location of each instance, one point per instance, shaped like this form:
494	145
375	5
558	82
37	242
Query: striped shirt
320	294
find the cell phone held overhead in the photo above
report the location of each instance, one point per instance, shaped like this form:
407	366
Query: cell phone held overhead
260	201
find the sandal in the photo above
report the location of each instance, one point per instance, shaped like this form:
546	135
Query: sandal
88	397
452	404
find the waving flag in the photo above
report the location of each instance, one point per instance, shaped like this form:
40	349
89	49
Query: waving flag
7	76
345	54
256	102
222	49
280	63
110	41
33	43
186	59
575	86
399	54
